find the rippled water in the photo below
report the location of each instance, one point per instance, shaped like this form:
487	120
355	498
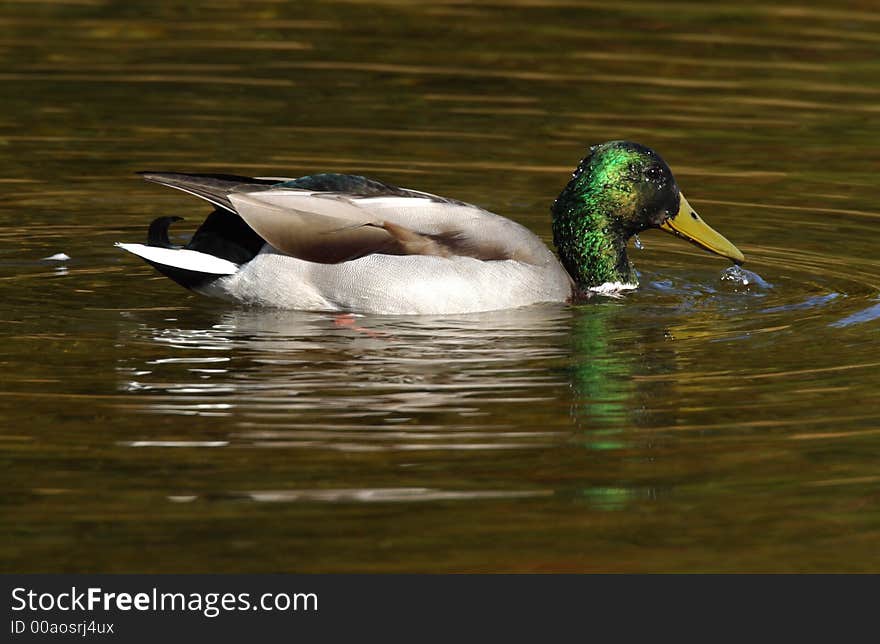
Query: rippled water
696	424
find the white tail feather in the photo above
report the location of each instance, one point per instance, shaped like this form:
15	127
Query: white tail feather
190	260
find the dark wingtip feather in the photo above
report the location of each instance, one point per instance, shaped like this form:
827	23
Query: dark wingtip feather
163	175
214	188
151	175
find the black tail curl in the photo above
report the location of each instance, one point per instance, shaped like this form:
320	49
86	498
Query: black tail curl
223	234
157	235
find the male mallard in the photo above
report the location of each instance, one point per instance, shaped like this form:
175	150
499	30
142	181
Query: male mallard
335	242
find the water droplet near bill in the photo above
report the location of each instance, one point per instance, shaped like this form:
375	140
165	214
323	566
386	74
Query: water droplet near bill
736	278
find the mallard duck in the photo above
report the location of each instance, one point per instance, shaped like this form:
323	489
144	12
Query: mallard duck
336	242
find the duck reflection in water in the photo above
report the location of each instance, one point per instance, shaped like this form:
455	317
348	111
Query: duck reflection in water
285	379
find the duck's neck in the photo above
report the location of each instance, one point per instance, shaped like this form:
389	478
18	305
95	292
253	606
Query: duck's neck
591	245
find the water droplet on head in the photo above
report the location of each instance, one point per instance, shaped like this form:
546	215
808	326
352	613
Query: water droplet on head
638	242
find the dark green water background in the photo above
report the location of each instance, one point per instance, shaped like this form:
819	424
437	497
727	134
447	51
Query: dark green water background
684	427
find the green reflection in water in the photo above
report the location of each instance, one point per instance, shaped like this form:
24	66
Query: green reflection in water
616	407
599	378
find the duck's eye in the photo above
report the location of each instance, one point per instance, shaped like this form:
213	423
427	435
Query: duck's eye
653	173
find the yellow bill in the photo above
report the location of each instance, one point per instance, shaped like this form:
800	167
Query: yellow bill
688	225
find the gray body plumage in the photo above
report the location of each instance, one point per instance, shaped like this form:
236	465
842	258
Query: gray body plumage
372	248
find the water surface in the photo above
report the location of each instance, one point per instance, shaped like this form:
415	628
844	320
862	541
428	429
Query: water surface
691	425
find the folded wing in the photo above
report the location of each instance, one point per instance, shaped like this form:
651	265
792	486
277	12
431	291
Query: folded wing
337	218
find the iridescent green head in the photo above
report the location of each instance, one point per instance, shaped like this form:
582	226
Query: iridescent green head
618	190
